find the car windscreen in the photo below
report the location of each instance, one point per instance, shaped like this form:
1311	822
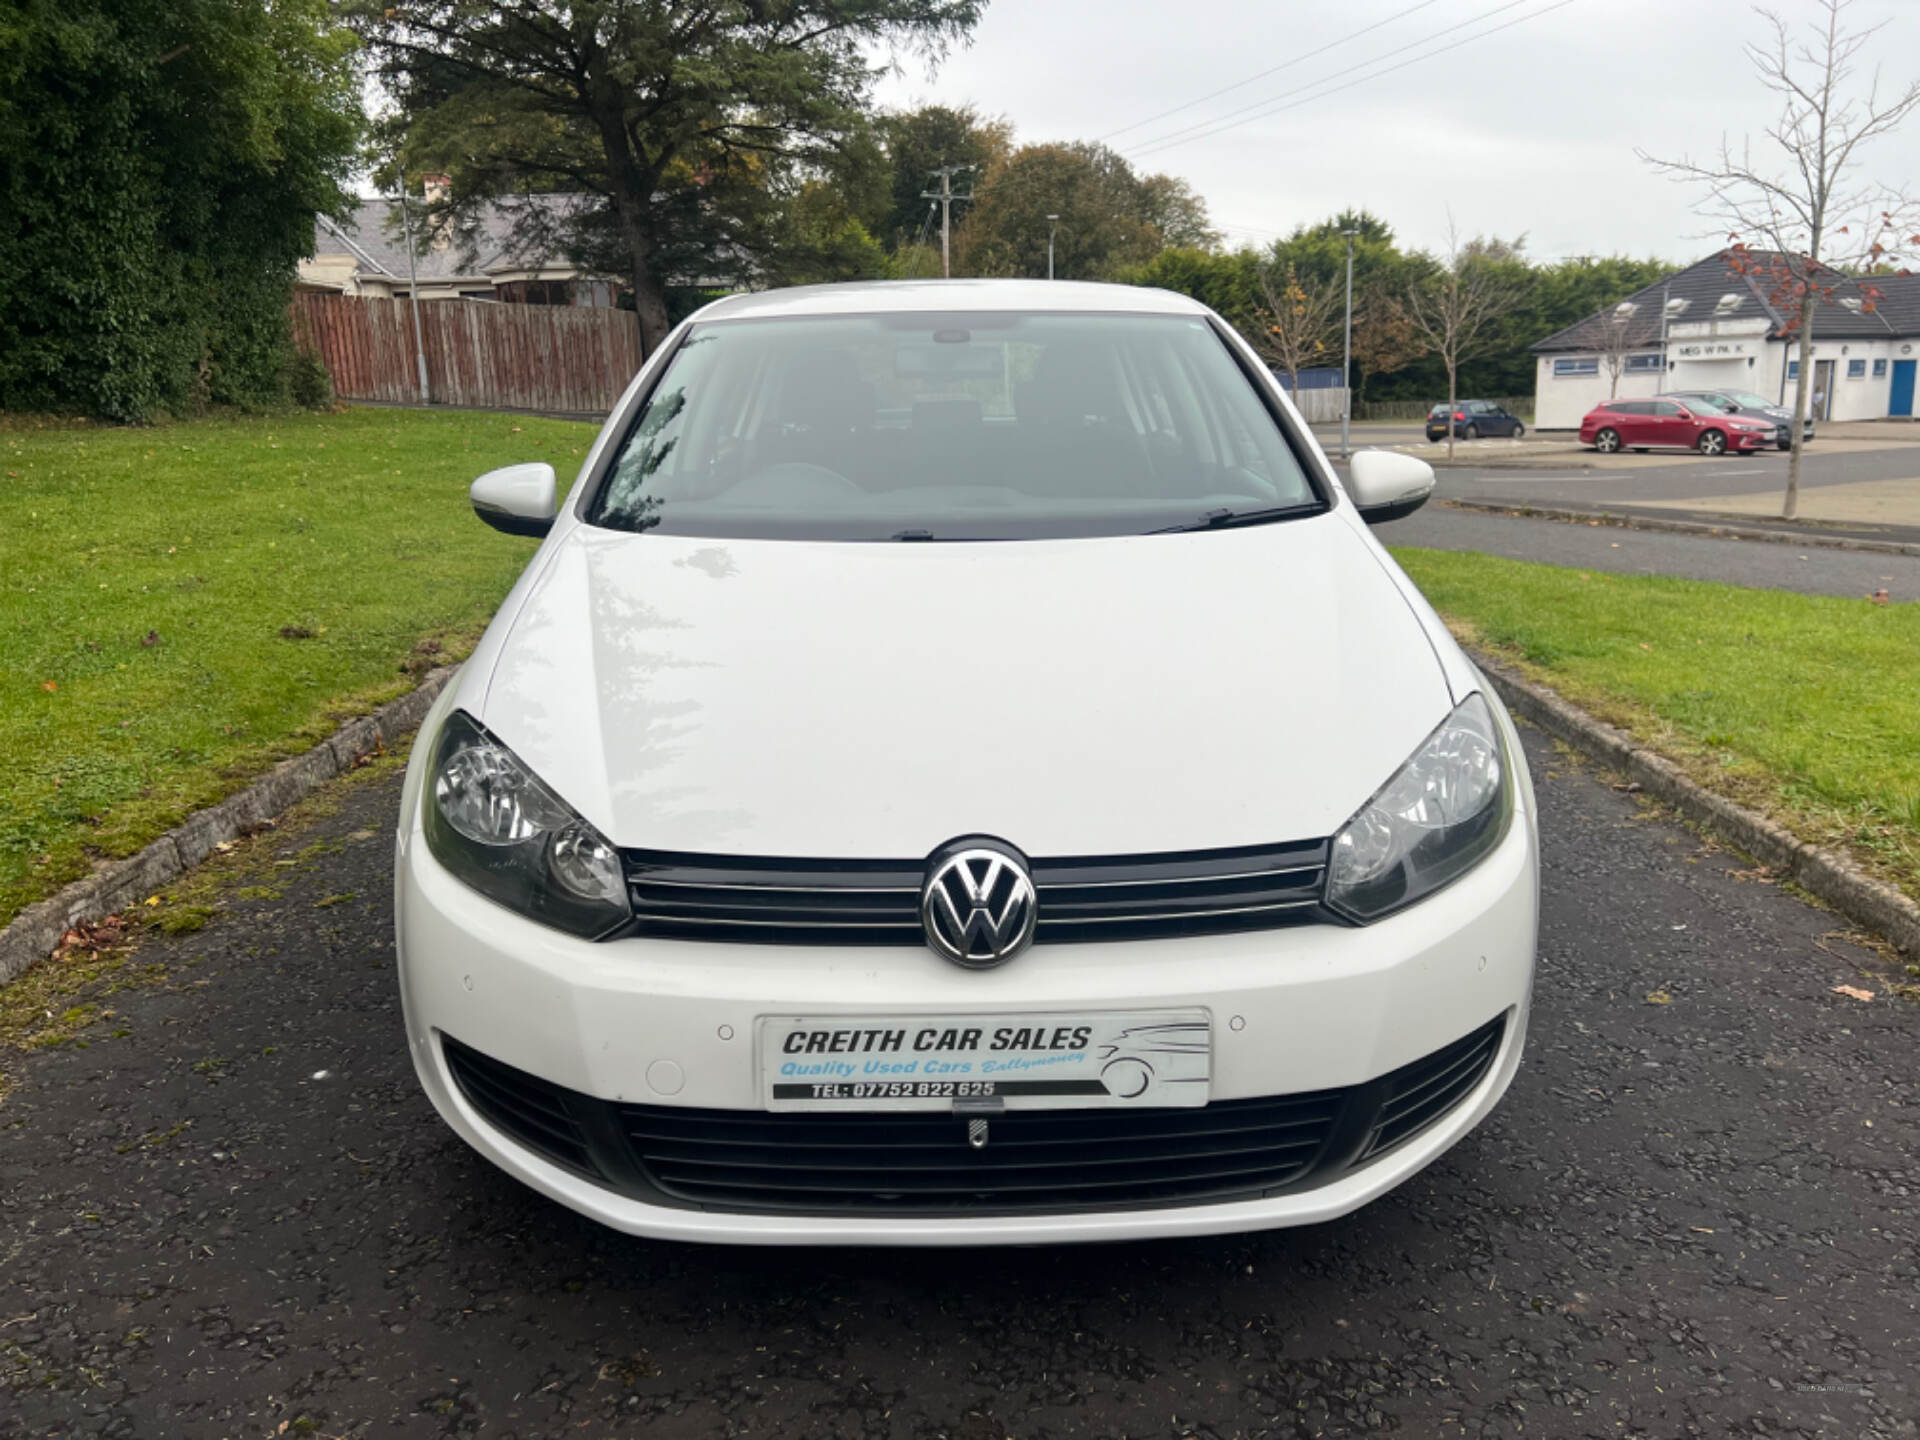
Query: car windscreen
1717	405
952	426
1747	400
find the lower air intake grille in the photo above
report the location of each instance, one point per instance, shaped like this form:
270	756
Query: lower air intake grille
543	1117
1420	1093
1036	1161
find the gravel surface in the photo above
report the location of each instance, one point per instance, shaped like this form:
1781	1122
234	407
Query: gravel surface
1693	1216
1765	564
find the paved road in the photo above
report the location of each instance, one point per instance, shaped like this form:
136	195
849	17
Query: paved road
1687	478
1691	1218
1811	569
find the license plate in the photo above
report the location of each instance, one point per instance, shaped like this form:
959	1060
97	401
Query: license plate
1072	1060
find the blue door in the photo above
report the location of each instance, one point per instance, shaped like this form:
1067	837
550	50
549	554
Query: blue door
1900	402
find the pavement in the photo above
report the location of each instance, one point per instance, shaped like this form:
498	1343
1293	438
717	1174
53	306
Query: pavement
229	1211
1809	569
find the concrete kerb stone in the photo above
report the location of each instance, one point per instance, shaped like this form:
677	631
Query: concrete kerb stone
1714	529
36	931
1825	874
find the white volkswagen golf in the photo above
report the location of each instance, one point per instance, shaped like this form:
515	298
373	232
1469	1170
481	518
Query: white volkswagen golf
959	770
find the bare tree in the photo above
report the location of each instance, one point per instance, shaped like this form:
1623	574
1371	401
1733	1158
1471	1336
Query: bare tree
1800	218
1615	345
1454	307
1298	322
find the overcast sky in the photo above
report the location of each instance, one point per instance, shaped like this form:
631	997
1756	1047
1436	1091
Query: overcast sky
1531	129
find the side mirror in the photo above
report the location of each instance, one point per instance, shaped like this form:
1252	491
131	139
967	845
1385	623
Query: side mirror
518	499
1388	486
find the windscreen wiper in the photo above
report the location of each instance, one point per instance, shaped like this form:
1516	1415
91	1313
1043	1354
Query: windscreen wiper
1224	519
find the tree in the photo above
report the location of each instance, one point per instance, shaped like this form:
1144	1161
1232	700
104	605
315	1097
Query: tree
917	143
1384	335
1455	307
161	163
1228	284
1800	222
1298	321
1614	340
688	125
1110	217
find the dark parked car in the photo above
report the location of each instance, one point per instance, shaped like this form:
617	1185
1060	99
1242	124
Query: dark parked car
1666	421
1473	419
1745	402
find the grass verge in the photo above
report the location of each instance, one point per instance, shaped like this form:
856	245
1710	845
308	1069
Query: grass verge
1805	708
182	605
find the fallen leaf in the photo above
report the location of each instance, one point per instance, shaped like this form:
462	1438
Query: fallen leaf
153	899
1879	597
150	639
1659	997
1645	646
1700	1230
1853	992
49	686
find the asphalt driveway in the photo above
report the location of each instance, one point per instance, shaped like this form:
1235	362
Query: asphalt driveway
231	1213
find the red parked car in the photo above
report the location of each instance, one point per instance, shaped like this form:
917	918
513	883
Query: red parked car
1672	424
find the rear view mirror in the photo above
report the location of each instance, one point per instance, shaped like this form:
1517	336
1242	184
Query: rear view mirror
518	499
1388	486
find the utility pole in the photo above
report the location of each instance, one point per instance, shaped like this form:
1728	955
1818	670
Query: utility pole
1346	360
413	291
946	197
1053	223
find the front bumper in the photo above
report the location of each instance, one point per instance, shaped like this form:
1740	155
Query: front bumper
673	1023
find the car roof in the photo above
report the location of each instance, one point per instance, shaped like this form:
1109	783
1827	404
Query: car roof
895	296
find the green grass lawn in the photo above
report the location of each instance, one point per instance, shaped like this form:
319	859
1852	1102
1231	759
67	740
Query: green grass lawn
1804	706
182	605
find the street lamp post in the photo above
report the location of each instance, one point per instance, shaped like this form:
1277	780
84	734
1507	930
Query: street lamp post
1346	360
1053	222
413	291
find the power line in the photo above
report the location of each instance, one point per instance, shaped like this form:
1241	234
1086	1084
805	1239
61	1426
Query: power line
945	197
1285	65
1261	109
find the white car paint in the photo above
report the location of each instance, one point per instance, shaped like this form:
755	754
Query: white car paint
786	698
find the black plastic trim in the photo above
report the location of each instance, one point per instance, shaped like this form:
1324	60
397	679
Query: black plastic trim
761	900
877	1163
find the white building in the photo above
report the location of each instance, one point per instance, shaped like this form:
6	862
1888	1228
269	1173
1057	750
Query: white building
1711	327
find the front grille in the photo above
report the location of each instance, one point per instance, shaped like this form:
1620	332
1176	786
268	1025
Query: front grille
877	902
1035	1162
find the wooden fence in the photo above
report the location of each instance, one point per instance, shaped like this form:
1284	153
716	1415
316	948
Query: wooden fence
479	353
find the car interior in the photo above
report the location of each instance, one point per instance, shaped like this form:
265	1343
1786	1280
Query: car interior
911	421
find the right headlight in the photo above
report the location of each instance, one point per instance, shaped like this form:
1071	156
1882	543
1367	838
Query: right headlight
495	824
1440	814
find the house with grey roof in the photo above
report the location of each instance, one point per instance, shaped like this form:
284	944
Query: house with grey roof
1713	327
367	255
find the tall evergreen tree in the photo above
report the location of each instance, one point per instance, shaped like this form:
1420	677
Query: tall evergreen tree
161	162
679	119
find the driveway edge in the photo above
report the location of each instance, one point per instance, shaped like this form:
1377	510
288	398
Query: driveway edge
1826	874
1719	531
36	931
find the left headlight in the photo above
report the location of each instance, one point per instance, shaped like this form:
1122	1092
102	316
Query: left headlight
491	821
1441	813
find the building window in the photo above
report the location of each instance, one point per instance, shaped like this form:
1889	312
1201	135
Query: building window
1879	369
1793	369
1856	369
1640	364
1576	365
537	292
